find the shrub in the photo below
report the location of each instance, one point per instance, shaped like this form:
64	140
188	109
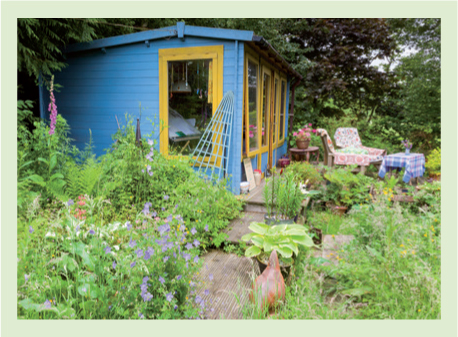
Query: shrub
305	171
433	164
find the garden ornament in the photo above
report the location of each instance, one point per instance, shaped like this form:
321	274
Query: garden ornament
270	285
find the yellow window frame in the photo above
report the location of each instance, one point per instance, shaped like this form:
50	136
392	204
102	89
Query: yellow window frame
282	140
216	54
249	57
276	105
265	70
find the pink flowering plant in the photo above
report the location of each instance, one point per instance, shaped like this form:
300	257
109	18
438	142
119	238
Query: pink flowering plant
406	144
52	108
305	133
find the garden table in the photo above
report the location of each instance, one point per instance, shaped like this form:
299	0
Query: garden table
414	164
311	149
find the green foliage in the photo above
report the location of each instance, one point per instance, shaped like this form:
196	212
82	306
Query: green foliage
285	239
303	171
433	164
63	263
346	188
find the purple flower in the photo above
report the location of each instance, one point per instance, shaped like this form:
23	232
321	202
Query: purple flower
143	171
206	292
26	277
187	265
161	279
132	243
145	279
148	253
114	265
176	206
196	243
47	304
210	277
193	231
77	228
175	307
206	228
188	245
109	307
163	209
154	214
165	259
178	277
139	252
164	229
147	296
150	174
198	299
91	232
31	230
128	225
52	108
170	218
196	259
186	256
132	264
150	142
70	202
141	316
83	289
166	197
107	250
169	297
148	168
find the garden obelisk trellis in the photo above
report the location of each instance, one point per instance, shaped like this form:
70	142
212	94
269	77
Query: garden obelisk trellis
212	151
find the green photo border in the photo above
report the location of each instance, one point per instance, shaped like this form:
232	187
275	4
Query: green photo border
11	326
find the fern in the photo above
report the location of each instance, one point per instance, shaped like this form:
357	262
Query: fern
83	179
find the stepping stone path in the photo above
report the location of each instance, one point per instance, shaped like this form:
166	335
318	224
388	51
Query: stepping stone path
332	244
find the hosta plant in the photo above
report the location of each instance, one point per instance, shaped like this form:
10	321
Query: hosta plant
285	239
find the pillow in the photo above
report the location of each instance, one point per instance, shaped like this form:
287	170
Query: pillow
353	150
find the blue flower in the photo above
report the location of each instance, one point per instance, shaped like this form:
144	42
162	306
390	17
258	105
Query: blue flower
107	250
128	225
139	252
132	243
165	259
206	228
188	245
77	228
132	264
161	279
91	232
70	202
198	299
196	243
114	265
148	253
163	209
147	296
141	316
145	279
178	277
206	292
165	228
154	214
47	304
170	218
175	307
31	230
186	256
196	259
169	297
193	231
166	197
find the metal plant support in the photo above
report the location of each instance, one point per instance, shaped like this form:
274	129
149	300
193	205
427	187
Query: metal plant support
212	151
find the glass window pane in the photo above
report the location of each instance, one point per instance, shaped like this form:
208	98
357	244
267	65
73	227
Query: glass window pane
190	104
282	110
265	108
275	112
253	105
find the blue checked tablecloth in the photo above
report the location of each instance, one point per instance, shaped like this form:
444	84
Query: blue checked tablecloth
414	164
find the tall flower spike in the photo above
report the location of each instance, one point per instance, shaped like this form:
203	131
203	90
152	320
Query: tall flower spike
52	108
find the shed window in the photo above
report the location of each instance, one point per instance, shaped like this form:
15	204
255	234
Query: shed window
265	108
253	106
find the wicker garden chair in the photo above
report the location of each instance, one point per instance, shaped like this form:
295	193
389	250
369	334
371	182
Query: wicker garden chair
346	137
348	156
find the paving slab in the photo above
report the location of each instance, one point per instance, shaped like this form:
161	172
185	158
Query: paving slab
232	278
239	226
331	244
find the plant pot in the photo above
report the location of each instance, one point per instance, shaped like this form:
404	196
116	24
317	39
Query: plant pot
318	237
283	162
244	187
271	221
284	269
257	178
302	144
339	210
407	151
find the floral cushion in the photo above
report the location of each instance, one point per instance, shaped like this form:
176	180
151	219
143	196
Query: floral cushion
346	137
354	150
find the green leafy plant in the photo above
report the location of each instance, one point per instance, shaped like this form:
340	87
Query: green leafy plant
433	164
304	171
285	239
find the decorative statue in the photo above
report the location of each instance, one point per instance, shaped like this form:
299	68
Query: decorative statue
270	285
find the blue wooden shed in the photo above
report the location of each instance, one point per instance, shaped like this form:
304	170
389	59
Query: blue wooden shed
179	75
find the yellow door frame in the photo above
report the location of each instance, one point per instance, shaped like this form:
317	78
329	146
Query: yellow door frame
215	53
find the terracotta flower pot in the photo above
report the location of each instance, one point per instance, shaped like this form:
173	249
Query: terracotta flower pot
302	144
